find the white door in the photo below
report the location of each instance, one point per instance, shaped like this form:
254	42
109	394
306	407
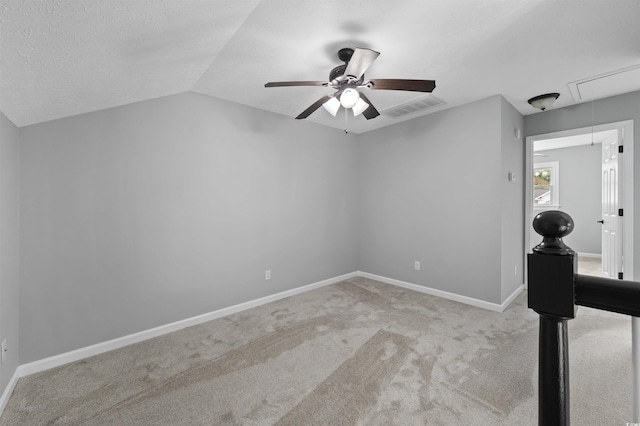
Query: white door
611	221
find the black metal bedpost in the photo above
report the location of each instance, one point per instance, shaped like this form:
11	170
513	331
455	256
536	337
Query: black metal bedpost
552	266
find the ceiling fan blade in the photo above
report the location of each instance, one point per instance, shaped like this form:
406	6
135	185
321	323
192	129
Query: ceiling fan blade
399	84
317	104
370	112
296	83
360	61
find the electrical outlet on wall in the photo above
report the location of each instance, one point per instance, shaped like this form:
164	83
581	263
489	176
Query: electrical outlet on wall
416	265
4	350
267	274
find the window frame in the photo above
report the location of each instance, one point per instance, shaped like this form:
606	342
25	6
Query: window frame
554	183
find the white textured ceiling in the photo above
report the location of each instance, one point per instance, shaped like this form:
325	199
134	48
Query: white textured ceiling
65	57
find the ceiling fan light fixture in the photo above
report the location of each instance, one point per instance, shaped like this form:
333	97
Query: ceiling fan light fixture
332	105
349	98
543	102
360	107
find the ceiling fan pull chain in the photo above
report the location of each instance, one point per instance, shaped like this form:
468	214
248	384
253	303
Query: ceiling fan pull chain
345	121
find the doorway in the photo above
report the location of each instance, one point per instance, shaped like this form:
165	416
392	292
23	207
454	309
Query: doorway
564	171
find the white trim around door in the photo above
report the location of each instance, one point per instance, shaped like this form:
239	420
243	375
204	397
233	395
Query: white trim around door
625	129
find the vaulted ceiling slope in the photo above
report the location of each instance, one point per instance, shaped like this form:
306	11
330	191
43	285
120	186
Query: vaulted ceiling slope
65	57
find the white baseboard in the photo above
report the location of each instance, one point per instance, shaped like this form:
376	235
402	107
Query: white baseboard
78	354
593	255
75	355
445	294
505	304
4	399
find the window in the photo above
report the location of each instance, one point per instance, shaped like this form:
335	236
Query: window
546	191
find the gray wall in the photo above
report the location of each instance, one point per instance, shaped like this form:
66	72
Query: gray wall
580	193
138	216
141	215
9	274
433	190
512	192
608	110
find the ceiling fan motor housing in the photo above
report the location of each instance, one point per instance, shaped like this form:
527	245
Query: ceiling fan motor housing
345	55
337	72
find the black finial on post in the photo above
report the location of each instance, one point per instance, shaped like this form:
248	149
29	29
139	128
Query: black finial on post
553	225
552	267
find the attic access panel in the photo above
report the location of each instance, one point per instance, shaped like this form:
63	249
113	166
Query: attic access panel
605	85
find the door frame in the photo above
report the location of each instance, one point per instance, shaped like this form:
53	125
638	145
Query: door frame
626	130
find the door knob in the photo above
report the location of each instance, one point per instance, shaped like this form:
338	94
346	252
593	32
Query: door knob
601	221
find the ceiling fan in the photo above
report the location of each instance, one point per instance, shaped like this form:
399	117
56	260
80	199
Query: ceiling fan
348	78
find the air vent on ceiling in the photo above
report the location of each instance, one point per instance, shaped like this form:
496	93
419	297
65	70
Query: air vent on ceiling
604	85
413	107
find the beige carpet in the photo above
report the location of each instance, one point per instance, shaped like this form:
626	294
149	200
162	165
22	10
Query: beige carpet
358	352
